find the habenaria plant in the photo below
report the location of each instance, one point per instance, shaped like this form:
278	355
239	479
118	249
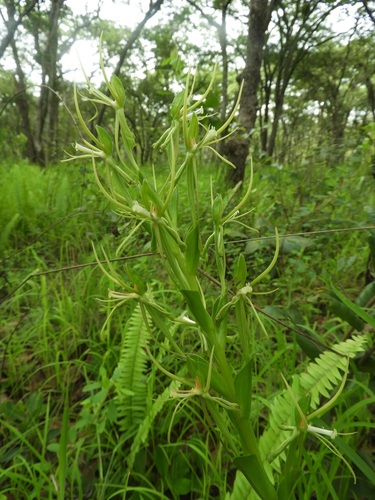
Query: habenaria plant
210	375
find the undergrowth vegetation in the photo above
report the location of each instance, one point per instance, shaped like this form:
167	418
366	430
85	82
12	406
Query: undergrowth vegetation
185	383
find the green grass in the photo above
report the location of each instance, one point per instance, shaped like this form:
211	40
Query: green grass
60	433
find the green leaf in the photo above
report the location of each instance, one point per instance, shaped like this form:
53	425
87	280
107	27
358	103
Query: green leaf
131	385
91	386
304	404
159	318
100	397
173	208
112	412
367	365
105	140
126	134
8	229
136	279
367	318
324	373
345	313
198	367
309	346
242	320
240	272
368	471
161	461
254	472
366	295
292	471
192	250
196	306
212	101
217	209
146	427
117	91
283	491
177	105
53	447
243	386
192	133
175	61
150	196
62	450
219	303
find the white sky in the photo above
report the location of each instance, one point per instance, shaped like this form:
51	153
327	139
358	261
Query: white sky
122	13
130	13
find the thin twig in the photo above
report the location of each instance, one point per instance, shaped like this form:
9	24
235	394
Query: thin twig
276	320
70	268
307	233
34	240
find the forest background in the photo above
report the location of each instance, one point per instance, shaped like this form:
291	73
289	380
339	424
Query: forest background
307	120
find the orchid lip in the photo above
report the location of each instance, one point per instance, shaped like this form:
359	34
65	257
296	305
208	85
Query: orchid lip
325	432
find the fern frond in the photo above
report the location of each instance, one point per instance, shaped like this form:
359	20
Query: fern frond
321	377
323	374
241	488
145	427
131	374
282	413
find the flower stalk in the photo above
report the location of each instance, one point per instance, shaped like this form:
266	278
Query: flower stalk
149	205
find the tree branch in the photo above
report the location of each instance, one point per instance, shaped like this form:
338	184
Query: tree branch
368	11
12	25
153	9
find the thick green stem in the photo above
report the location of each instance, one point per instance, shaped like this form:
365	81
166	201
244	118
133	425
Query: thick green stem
246	433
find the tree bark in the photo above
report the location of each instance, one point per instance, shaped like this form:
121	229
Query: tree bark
48	101
222	32
299	32
370	95
23	106
237	148
12	23
20	87
370	13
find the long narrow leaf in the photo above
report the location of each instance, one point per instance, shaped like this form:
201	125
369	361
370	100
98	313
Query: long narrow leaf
370	320
368	471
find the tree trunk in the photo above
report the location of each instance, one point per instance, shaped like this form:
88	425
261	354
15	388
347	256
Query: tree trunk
48	101
20	87
264	115
299	26
223	40
277	113
370	95
12	23
237	148
23	106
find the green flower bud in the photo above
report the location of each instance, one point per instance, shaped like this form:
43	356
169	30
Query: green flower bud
240	271
217	209
192	133
106	144
117	91
177	104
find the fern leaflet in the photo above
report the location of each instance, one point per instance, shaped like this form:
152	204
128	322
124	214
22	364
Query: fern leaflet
131	375
321	376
